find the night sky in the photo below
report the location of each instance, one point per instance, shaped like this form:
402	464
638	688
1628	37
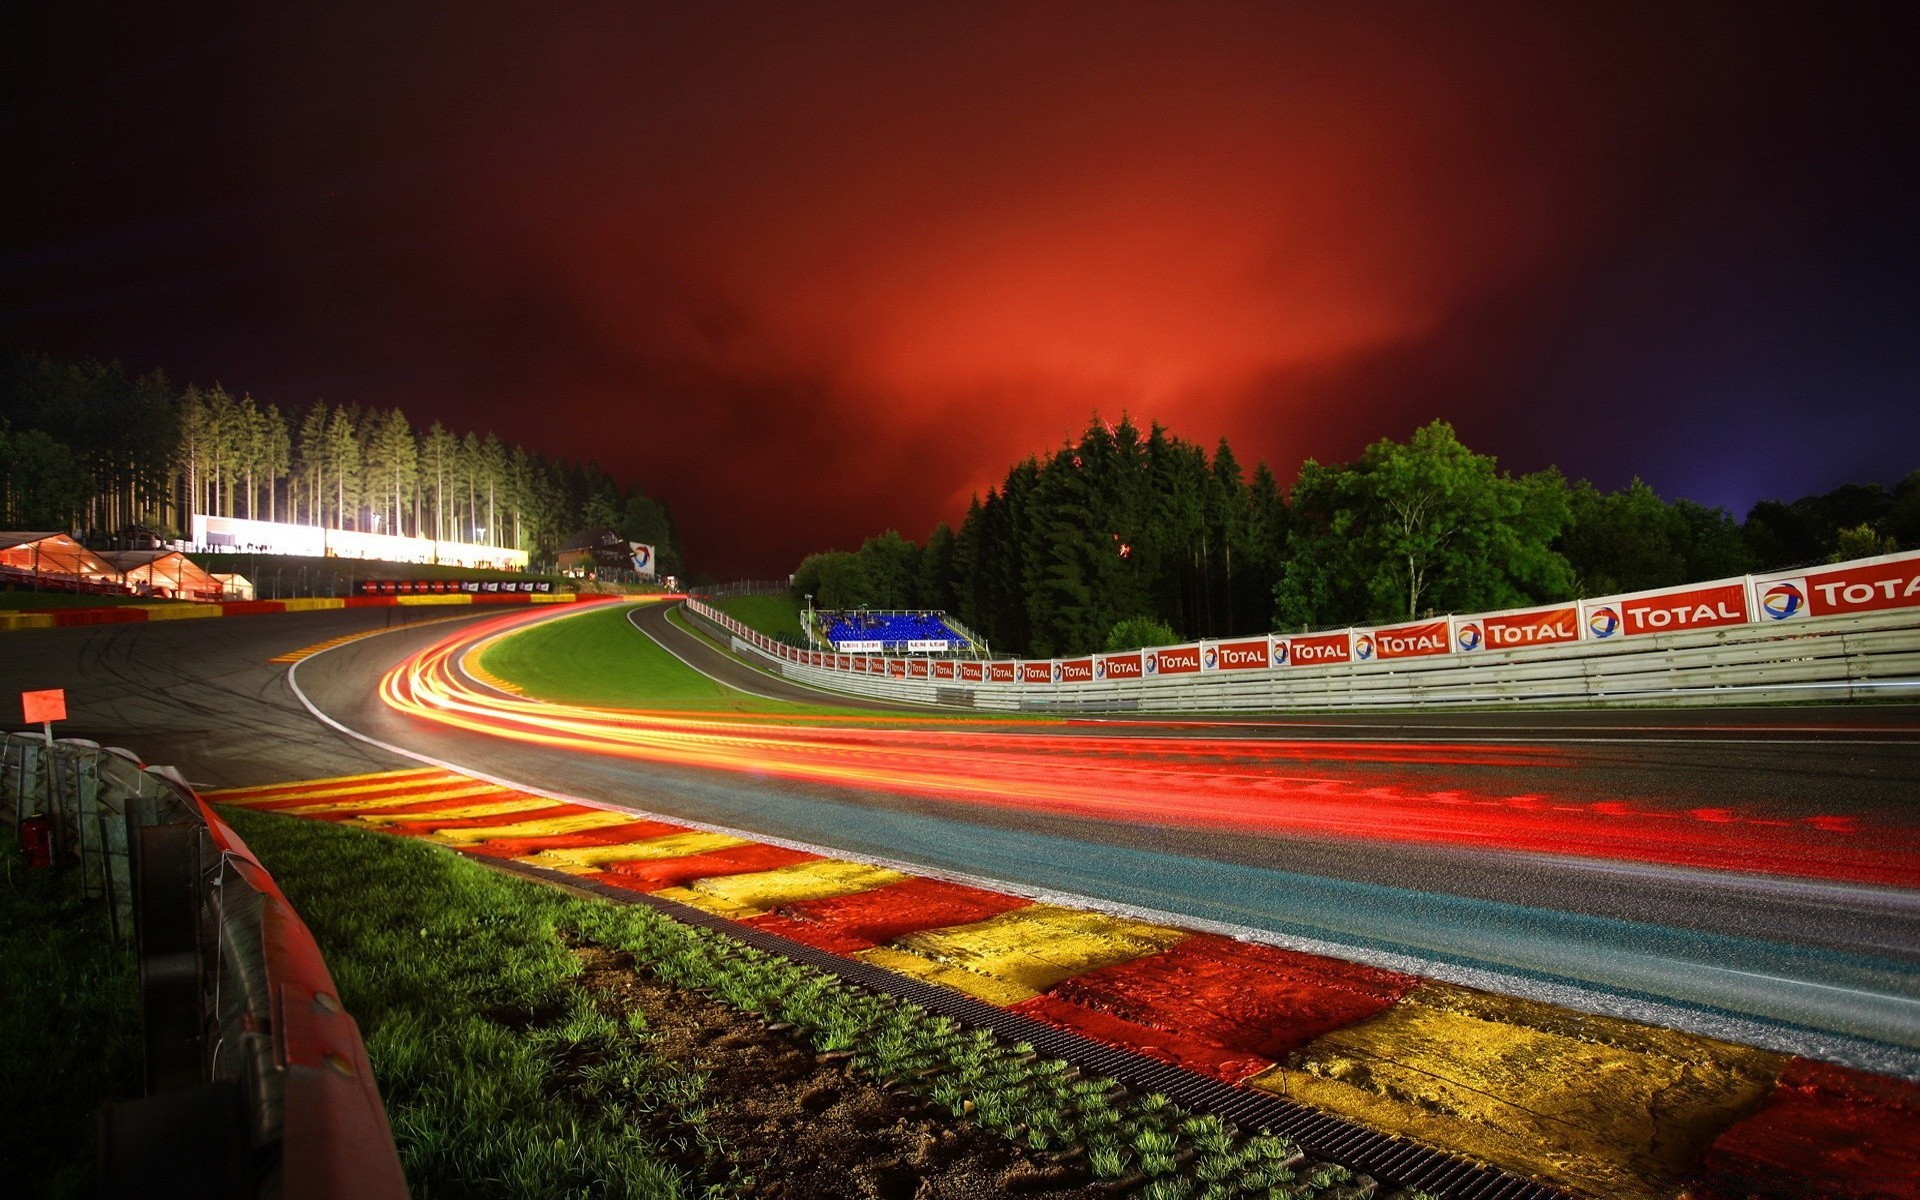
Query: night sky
808	271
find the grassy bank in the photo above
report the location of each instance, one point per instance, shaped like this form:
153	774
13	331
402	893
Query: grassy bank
775	616
505	1075
69	1029
597	657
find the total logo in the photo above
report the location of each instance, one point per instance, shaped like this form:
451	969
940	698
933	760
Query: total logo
1099	668
1604	621
1363	646
1784	598
1468	636
1281	649
1153	662
1056	672
1211	660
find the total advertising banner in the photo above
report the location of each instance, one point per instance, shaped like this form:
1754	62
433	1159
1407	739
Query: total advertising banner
943	669
1404	641
917	669
1075	670
1174	660
896	668
1036	672
1871	585
1513	630
1003	672
1318	649
1238	656
1118	666
1672	610
973	672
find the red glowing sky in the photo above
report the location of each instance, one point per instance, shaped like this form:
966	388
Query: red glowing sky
807	272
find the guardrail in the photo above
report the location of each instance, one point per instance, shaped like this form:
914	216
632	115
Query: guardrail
1843	632
256	1079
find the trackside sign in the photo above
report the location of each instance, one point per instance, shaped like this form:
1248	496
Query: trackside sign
1869	586
1118	666
1513	630
1076	670
1318	649
1685	608
1241	656
1175	660
1412	641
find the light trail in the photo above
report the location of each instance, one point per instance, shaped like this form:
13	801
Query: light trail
1272	787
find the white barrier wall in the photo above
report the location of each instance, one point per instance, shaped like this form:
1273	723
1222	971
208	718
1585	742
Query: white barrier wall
1847	631
312	541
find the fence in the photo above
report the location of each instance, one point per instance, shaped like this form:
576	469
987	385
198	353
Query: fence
256	1079
1843	632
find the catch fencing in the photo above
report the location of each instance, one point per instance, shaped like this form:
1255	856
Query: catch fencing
255	1077
1848	631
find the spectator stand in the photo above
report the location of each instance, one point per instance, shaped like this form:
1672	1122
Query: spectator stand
902	631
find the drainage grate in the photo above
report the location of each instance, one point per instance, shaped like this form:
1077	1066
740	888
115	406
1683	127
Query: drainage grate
1389	1159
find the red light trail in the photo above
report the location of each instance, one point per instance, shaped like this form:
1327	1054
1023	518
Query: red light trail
1291	787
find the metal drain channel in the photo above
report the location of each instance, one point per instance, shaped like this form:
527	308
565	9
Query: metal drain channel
1391	1160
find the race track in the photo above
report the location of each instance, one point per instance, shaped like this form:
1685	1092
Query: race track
1818	963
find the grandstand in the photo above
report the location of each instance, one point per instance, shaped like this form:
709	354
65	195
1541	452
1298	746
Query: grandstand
898	632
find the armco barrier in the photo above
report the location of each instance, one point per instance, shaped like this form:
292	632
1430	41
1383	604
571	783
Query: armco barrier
1841	632
139	613
256	1079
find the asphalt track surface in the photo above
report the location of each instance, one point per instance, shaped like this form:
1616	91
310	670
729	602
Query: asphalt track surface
1825	967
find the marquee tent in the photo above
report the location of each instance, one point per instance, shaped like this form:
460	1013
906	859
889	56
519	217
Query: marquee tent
166	573
54	562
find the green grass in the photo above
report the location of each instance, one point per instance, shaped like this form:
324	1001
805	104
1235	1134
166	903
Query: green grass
69	1028
775	616
12	600
597	657
502	1079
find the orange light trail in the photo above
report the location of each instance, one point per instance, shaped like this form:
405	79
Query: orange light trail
1272	787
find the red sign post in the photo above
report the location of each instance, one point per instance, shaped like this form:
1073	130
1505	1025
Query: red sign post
43	709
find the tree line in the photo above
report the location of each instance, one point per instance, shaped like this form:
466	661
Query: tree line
1125	538
87	449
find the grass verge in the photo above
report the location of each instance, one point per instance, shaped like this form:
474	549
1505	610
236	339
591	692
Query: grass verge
504	1078
69	1029
597	657
775	616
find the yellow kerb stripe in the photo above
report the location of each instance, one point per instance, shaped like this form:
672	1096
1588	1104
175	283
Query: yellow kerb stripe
585	860
395	800
180	612
1488	1074
1019	954
577	823
346	783
756	892
493	808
